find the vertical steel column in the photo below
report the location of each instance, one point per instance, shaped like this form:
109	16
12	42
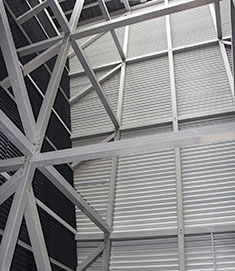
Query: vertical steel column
232	16
112	187
213	251
180	214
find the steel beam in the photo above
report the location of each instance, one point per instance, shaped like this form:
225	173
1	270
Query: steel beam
91	75
14	219
107	17
11	164
9	187
232	16
103	79
60	182
140	17
204	135
218	20
35	234
32	12
91	259
15	75
77	9
9	129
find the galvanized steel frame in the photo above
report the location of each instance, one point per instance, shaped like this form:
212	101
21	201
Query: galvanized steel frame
20	184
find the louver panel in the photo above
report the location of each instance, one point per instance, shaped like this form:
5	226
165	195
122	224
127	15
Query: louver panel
147	255
147	37
147	97
101	52
192	26
88	114
225	251
145	192
201	82
225	18
199	253
91	180
208	184
84	250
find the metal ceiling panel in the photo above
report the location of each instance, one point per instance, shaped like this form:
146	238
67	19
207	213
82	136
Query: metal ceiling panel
201	82
147	96
208	184
225	18
192	26
145	192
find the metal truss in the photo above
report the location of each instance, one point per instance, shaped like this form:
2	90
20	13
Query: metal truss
20	184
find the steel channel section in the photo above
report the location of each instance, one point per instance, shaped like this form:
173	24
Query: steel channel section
213	251
232	16
180	216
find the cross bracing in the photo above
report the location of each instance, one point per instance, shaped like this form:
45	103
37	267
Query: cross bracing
30	143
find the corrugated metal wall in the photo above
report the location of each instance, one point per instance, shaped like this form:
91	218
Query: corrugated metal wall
145	197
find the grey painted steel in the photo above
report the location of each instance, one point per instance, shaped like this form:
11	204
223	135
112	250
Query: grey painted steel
213	133
32	12
140	17
232	15
58	180
9	187
77	9
213	251
218	20
106	254
35	234
6	164
14	219
55	216
115	38
52	88
90	259
17	80
38	46
8	128
95	83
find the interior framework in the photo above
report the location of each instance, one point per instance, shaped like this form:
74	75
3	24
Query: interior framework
24	203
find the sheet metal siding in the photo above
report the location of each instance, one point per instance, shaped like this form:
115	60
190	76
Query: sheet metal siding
147	255
101	52
201	82
147	37
192	26
199	255
84	250
147	97
88	114
208	184
145	192
225	251
91	180
225	18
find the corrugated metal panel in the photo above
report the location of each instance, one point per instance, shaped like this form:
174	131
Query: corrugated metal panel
230	57
101	52
208	184
88	114
192	26
147	96
225	251
84	250
201	82
145	192
225	18
147	255
199	255
147	37
91	180
88	141
146	131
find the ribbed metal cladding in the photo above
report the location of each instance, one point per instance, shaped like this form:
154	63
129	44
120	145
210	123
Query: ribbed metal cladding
199	253
147	37
145	192
225	18
101	52
147	97
225	251
230	57
147	255
192	26
91	180
84	250
201	82
208	184
88	114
